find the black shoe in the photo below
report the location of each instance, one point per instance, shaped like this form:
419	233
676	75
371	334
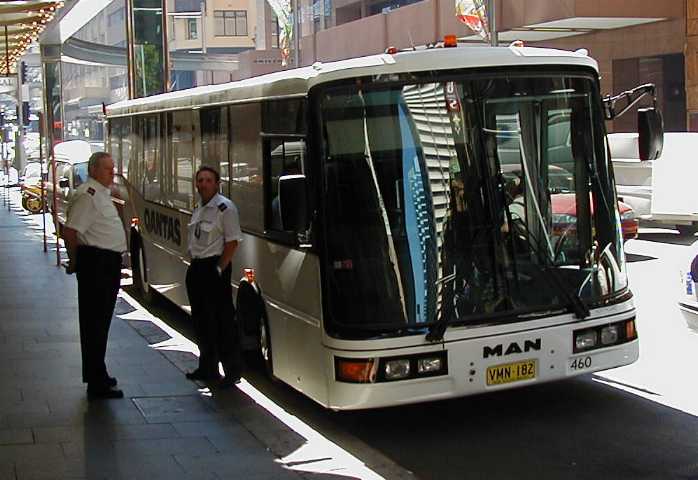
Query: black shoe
111	381
103	392
229	381
199	374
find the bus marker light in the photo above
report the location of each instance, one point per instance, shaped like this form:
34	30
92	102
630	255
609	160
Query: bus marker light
428	365
355	370
630	332
391	50
450	41
609	335
396	369
585	340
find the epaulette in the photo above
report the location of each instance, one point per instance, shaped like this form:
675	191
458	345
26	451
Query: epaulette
91	191
222	207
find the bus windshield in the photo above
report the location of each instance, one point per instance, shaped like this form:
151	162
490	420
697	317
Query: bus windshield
467	201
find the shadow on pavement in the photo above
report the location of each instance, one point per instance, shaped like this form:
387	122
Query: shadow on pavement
666	237
634	257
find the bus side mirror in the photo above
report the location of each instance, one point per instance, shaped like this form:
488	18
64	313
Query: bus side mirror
64	183
650	128
293	203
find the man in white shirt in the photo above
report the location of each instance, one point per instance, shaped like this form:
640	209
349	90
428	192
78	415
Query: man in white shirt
95	239
214	235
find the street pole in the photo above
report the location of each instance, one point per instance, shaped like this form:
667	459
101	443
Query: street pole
41	169
296	35
52	157
492	22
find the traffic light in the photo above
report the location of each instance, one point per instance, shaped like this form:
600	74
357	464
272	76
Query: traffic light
23	72
25	113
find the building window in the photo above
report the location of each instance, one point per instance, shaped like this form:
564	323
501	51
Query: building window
274	31
192	29
230	23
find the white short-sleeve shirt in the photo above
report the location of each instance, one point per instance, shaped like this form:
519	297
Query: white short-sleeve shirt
212	226
94	216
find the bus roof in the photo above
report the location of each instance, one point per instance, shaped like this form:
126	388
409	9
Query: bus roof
297	82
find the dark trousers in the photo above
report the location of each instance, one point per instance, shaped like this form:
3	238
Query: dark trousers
213	313
99	279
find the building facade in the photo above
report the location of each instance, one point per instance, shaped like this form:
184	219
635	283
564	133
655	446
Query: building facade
634	42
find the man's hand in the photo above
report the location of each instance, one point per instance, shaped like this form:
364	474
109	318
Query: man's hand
69	267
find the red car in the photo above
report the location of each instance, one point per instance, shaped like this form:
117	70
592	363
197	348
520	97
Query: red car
565	215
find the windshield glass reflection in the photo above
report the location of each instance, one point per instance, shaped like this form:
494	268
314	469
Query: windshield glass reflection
456	201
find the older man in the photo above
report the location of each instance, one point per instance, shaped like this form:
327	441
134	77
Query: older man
95	240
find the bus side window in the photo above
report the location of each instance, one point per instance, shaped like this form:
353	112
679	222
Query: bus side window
214	143
179	171
152	184
284	156
245	154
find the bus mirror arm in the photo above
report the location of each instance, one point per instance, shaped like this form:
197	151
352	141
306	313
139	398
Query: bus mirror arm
631	97
650	126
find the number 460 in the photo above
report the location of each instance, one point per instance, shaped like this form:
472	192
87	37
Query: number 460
581	363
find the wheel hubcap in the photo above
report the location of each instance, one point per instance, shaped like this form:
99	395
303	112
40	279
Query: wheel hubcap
263	341
141	271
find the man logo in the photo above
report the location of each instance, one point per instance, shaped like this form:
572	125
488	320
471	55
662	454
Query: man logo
498	350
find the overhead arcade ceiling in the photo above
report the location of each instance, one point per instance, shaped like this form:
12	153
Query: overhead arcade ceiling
21	22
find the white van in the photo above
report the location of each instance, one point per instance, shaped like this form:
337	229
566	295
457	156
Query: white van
662	190
71	172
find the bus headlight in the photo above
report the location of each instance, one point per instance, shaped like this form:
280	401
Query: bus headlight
397	369
585	340
609	335
429	365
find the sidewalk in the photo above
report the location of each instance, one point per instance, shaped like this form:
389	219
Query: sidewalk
164	428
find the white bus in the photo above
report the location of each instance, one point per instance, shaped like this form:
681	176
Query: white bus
396	270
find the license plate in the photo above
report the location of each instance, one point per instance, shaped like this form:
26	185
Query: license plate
511	372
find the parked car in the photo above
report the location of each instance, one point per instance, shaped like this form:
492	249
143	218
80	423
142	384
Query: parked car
71	172
564	215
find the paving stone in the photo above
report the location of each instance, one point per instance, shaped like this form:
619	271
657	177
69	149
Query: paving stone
16	436
111	432
175	409
230	465
28	454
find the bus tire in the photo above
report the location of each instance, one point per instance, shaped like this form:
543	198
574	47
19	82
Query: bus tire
687	230
139	270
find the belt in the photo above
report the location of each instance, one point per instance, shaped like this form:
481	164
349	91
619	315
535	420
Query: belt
213	258
96	250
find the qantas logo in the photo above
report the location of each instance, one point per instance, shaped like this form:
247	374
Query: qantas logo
512	348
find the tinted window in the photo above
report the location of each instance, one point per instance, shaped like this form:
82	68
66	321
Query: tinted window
284	117
284	157
214	143
178	172
152	181
246	165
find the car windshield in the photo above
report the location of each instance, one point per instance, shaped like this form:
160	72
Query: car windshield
457	201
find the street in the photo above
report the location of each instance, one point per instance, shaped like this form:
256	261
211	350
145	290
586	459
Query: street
638	421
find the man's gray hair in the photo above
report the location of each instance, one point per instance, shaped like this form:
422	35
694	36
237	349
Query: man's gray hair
95	158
